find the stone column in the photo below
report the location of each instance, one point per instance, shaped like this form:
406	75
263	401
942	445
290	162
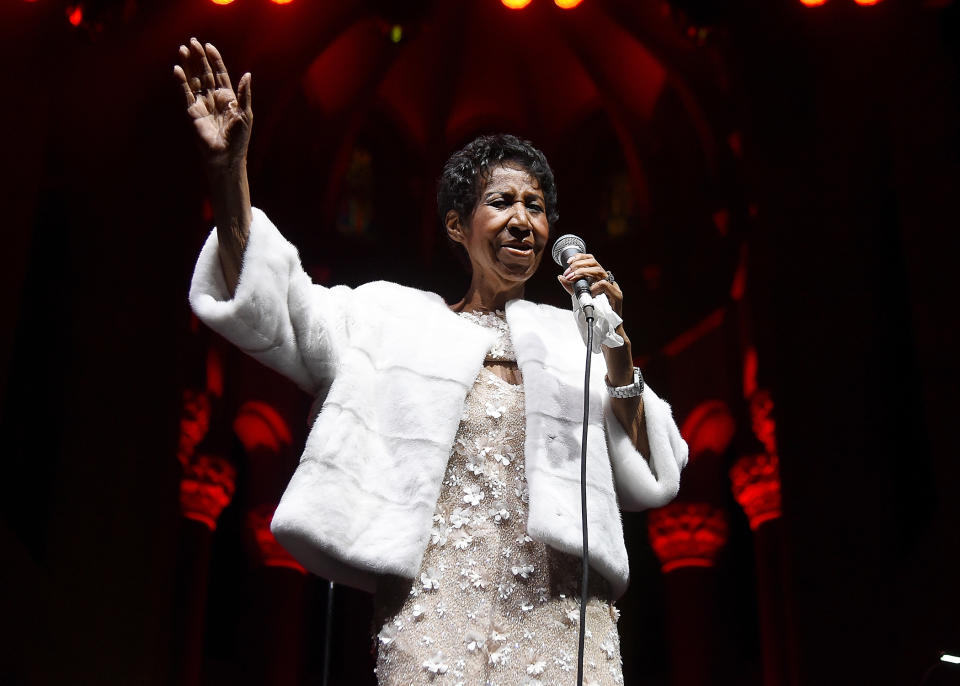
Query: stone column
279	608
206	488
755	481
687	538
278	582
194	423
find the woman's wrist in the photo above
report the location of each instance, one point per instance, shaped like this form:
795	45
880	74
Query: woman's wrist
226	170
619	361
233	214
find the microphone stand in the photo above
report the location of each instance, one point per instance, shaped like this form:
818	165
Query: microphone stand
585	575
328	628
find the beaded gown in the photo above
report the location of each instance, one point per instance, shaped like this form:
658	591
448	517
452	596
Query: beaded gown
492	607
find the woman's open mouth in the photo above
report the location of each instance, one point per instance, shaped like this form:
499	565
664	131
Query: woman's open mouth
518	250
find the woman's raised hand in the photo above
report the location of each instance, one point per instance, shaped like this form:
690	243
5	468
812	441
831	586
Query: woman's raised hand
222	118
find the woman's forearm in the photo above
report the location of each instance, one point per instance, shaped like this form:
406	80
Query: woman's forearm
628	411
232	213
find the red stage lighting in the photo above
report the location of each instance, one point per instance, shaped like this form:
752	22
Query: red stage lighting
515	4
813	3
282	2
221	2
866	2
75	14
567	4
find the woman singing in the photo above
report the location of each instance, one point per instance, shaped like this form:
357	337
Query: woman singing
442	470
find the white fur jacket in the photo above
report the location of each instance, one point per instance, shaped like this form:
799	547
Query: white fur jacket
392	367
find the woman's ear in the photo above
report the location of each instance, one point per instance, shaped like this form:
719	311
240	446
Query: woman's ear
454	226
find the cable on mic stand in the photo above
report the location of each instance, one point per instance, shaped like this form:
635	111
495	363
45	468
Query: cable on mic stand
584	577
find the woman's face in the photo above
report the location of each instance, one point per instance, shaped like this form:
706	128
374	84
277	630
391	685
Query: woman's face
506	234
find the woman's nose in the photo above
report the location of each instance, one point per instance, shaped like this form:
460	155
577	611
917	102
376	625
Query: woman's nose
519	230
521	217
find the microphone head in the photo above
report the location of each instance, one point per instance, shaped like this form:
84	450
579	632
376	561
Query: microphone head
564	243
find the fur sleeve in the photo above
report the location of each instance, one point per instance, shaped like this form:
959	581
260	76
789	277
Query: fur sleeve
277	314
651	481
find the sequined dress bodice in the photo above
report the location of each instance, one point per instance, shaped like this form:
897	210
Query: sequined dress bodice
491	606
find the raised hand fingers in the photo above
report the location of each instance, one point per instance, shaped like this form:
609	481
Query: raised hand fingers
189	68
201	65
220	75
245	95
181	76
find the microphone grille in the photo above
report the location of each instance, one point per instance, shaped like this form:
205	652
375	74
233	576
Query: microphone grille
566	241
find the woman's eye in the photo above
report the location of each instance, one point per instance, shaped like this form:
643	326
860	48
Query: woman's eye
534	207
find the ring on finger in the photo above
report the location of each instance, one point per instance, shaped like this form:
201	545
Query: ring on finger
609	277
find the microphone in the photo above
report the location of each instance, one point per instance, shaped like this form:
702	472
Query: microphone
564	248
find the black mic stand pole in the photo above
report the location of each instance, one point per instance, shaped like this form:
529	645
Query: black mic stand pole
328	629
585	575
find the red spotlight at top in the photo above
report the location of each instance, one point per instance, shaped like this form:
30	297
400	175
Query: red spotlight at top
75	15
567	4
866	2
282	2
515	4
221	2
813	3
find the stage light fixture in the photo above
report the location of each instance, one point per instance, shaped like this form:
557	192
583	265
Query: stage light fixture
281	2
515	4
813	3
567	4
947	657
221	2
867	3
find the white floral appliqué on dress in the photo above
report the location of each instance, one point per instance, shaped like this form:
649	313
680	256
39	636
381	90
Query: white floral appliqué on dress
492	607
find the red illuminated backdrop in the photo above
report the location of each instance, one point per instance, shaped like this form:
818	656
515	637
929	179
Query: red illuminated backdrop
777	180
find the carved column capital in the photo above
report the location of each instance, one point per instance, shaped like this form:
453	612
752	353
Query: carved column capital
687	534
708	428
206	487
755	480
269	551
259	426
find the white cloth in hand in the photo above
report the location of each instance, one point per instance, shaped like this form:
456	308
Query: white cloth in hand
605	323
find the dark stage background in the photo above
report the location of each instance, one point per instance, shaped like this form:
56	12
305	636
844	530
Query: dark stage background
774	185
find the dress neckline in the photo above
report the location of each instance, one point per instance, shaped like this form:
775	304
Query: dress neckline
501	350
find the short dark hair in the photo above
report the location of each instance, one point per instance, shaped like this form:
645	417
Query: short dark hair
467	169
